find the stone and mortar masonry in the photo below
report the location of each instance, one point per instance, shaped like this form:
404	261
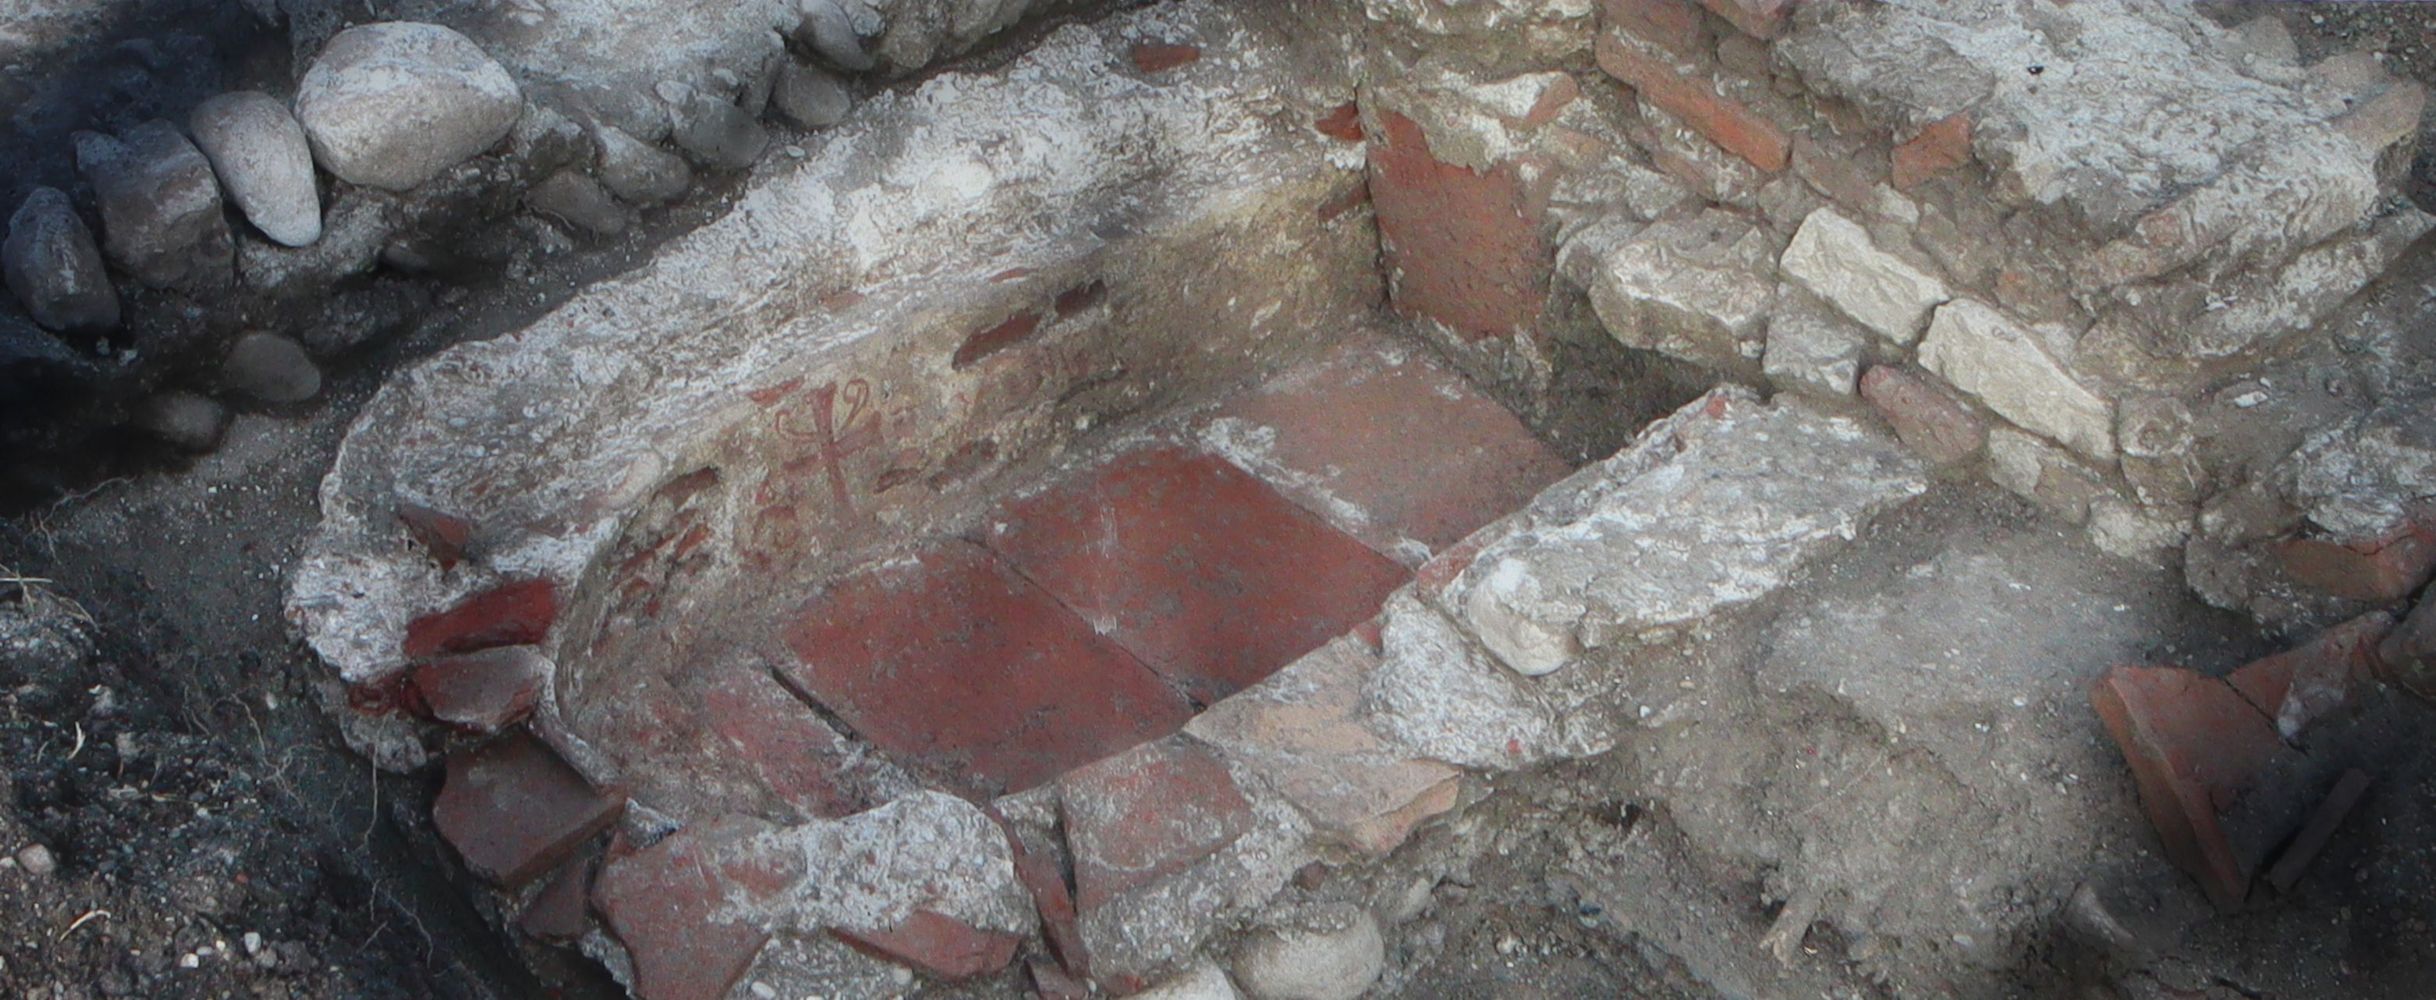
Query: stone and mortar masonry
2035	251
2020	282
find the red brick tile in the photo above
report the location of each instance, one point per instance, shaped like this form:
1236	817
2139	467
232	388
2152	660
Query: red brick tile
1462	246
514	810
2313	679
444	536
482	692
1938	148
1209	576
779	739
1757	18
951	662
1927	418
511	614
1135	819
1343	122
560	912
1045	880
940	945
2194	745
1422	454
673	906
1686	95
2375	570
1159	57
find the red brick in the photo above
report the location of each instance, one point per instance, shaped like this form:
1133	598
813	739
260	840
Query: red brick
1343	122
799	758
953	663
1153	812
2313	679
444	536
673	905
1926	417
1552	102
1159	57
1052	983
940	945
1462	246
1422	454
1722	120
519	613
996	338
1045	880
2407	655
482	692
2377	570
2194	745
1210	577
560	912
1675	24
1757	18
1938	148
514	810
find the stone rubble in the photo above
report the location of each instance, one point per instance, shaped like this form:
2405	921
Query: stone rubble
271	369
160	206
53	267
394	104
264	162
1320	963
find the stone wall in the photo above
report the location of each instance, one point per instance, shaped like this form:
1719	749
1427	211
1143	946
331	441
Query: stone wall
2035	252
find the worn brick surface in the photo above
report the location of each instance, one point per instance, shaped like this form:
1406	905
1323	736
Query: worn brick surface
2378	570
2314	679
514	810
1758	18
1690	96
511	614
1675	24
1134	819
799	758
561	911
673	905
1929	419
940	945
1462	246
1943	146
1412	448
482	692
1209	576
1301	731
2194	744
951	662
1159	57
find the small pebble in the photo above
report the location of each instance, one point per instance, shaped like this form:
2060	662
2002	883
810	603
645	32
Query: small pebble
271	368
37	860
252	942
189	961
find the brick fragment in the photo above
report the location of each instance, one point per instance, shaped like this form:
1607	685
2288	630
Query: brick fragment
1722	120
1343	122
940	945
444	536
514	810
559	913
1943	146
1134	819
1928	419
482	692
1675	24
1463	247
674	906
1159	57
2375	570
518	613
2194	745
1757	18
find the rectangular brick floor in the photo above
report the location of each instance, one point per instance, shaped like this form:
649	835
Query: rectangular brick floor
1396	440
1200	569
954	664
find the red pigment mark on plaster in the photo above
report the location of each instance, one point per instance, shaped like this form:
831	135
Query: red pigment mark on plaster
833	438
1159	57
1460	243
993	339
1011	274
510	614
1938	148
